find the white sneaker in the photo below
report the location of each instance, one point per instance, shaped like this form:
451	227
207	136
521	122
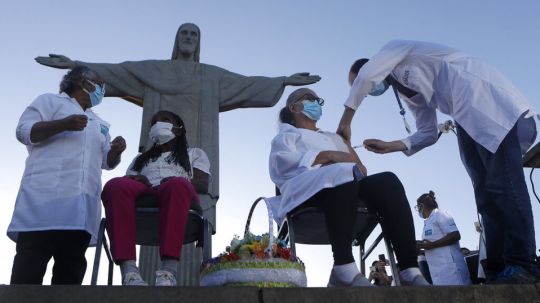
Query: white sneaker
358	281
165	278
133	279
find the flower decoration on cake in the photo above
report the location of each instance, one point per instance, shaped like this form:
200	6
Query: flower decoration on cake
253	247
251	259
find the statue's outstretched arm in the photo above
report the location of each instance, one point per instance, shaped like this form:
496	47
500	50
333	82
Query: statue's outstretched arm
56	61
300	79
63	62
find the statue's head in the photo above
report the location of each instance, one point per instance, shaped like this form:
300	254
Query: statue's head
187	43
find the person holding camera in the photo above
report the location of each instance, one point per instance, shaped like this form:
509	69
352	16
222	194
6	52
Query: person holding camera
378	275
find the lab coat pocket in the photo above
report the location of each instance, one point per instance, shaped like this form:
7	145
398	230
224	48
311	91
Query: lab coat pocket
440	255
46	173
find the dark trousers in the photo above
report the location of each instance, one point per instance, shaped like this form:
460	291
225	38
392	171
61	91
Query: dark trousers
384	194
35	249
502	199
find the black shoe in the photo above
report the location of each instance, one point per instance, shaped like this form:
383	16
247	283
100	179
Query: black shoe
515	274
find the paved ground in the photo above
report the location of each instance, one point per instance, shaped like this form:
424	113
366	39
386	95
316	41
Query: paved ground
102	294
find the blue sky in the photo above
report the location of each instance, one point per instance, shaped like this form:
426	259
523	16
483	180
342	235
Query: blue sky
270	38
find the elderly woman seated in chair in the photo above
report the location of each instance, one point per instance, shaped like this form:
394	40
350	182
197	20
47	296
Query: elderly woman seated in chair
317	168
174	174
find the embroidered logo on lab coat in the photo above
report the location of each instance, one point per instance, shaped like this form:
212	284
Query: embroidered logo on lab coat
428	232
104	129
405	77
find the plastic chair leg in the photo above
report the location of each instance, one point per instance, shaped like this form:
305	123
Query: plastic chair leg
97	257
393	266
291	237
207	239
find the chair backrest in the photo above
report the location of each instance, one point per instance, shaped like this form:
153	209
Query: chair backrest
147	217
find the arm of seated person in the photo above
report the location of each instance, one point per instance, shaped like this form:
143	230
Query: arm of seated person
330	157
200	181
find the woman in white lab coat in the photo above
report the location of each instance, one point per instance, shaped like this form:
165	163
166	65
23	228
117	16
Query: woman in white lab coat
57	211
494	128
318	168
440	242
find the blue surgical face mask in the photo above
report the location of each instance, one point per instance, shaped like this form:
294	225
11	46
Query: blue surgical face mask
420	208
312	110
97	95
379	88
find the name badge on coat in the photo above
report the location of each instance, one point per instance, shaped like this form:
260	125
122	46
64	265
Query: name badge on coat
104	129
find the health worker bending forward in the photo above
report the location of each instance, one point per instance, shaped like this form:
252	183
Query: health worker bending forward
494	129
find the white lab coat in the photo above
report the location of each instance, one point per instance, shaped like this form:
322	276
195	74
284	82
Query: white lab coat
446	264
61	184
479	98
291	166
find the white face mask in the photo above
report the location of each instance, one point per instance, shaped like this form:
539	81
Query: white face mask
161	132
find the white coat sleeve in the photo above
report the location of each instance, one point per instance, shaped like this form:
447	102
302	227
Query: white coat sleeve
41	109
446	223
105	148
287	160
426	129
376	70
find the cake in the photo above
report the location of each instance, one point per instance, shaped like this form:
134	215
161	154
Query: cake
254	261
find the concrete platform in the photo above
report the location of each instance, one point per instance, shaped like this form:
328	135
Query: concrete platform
102	294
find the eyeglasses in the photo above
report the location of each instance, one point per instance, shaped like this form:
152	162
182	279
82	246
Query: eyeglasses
102	85
417	207
320	101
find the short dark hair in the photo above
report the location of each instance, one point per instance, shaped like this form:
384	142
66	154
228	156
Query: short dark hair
357	65
428	199
72	80
286	116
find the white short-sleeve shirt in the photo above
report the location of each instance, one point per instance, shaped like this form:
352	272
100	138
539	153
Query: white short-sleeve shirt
161	168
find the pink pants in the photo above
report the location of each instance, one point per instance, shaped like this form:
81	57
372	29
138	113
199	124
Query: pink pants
174	196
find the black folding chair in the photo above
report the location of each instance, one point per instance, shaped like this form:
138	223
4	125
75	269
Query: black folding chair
306	225
198	230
